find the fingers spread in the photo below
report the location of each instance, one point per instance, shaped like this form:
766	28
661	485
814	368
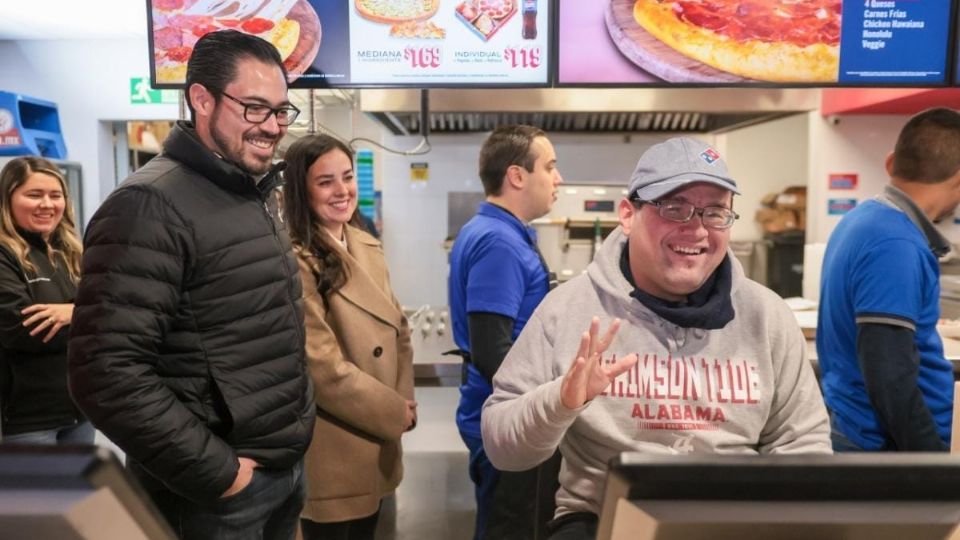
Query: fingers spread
584	350
594	330
608	336
622	365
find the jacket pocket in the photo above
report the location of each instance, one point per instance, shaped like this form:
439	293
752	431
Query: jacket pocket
216	412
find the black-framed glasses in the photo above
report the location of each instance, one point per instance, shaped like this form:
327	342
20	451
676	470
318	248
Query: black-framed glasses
715	217
258	113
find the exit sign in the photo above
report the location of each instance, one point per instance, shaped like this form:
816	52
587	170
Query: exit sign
141	93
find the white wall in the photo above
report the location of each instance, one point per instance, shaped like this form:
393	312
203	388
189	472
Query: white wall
856	144
90	82
765	158
850	144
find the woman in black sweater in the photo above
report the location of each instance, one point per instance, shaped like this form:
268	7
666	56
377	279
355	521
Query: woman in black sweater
39	270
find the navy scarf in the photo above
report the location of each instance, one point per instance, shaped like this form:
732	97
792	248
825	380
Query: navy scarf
709	307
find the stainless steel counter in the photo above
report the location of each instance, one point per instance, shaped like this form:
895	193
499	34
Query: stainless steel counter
437	374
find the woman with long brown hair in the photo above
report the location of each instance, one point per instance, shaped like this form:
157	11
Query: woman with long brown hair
39	270
358	346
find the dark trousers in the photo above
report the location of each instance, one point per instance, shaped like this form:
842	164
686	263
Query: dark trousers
267	509
511	505
523	502
484	478
354	529
576	526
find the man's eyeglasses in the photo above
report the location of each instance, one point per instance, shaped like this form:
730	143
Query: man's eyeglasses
715	217
257	113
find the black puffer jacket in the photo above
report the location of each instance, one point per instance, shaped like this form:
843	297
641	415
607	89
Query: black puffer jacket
187	341
33	374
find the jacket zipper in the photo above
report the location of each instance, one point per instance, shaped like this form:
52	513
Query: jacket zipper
283	255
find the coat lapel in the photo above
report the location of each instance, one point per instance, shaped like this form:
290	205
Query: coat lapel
367	285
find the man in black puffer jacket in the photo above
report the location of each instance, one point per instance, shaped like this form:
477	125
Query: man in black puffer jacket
186	347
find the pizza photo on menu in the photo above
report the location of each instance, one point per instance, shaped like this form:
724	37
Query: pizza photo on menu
485	17
730	40
397	11
292	26
408	18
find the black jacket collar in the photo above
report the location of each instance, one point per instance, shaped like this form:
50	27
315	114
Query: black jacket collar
33	239
185	146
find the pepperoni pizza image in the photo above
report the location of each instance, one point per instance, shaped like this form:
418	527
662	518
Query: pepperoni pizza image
498	9
768	40
178	24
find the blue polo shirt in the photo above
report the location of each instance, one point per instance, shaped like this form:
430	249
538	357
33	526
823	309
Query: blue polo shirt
494	268
879	267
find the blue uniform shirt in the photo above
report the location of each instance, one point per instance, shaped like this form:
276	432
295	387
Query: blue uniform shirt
879	265
494	268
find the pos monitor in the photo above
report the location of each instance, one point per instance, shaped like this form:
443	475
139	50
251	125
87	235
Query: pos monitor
73	493
864	496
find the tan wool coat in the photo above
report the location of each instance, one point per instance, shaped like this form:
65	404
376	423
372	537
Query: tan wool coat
359	355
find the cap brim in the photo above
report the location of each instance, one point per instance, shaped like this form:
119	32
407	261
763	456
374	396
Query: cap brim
665	187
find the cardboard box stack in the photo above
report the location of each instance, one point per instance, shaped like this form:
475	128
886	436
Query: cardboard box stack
785	211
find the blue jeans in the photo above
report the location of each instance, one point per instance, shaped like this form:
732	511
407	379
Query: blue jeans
81	433
267	509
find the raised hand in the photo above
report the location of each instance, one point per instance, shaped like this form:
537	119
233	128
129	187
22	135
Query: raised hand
588	376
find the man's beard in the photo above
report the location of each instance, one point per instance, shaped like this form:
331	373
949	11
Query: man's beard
223	145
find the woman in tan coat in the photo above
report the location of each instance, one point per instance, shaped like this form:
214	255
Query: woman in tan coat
358	346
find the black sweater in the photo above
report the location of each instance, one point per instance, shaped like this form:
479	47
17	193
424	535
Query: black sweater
33	374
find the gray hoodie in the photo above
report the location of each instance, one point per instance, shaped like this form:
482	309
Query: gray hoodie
747	388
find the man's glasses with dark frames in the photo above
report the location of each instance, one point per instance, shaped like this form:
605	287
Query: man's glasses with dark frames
258	113
715	217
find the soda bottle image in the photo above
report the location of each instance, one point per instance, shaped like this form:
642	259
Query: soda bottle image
529	19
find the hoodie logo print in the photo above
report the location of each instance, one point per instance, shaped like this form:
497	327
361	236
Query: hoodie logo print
687	393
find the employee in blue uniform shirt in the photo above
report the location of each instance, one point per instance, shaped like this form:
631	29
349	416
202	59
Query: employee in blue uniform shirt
885	379
497	279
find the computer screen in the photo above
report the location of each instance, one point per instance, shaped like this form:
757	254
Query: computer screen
849	496
73	493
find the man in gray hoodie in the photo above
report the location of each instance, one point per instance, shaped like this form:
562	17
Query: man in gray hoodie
696	357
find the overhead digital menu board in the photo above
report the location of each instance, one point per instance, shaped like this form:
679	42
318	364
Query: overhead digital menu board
753	42
368	43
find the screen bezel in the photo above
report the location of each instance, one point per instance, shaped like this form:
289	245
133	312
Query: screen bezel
803	494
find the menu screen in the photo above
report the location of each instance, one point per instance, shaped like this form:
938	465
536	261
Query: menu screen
368	43
753	42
